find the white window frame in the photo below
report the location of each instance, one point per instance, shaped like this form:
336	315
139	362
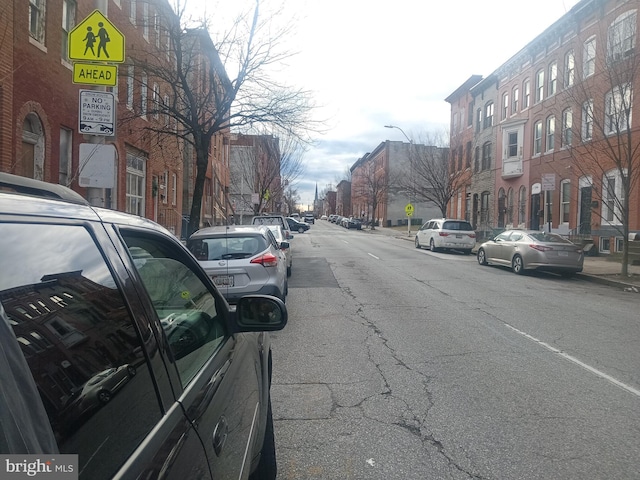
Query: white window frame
589	57
553	79
143	95
587	120
621	36
539	93
567	128
526	94
565	201
550	135
130	84
37	20
569	69
537	137
135	184
133	7
69	9
618	110
505	105
612	197
514	100
156	101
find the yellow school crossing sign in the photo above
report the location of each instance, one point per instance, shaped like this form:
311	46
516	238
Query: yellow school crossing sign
96	39
408	209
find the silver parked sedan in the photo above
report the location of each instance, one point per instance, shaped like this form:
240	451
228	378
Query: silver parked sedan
532	250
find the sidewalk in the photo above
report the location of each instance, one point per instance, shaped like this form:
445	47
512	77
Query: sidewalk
596	269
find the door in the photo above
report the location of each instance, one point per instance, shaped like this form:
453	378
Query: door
584	227
535	212
219	375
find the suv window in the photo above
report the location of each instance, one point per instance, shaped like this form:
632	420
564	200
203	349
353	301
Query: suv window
83	349
187	310
457	225
226	246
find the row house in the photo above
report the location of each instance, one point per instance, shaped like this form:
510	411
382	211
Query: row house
381	185
144	165
343	199
552	138
256	180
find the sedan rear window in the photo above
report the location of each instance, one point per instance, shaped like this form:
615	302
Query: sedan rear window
451	225
548	237
219	248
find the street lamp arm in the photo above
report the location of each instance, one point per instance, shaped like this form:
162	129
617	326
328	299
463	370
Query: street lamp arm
405	135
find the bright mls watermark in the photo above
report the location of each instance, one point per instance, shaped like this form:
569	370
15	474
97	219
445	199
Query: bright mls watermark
51	467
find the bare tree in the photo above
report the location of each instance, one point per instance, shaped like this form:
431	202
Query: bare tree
428	176
606	151
371	184
204	99
291	198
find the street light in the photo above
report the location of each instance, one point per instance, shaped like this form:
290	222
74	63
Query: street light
410	180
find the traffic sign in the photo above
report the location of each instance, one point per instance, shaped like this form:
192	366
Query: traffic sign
408	209
97	113
96	39
95	74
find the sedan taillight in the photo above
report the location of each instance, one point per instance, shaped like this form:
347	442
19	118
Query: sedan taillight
266	260
443	234
540	248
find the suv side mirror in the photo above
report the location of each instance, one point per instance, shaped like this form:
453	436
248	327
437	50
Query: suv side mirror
255	313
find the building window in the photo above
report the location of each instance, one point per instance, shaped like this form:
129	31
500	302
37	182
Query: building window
522	205
551	132
135	193
166	114
567	125
156	28
553	79
537	138
621	36
569	69
526	93
613	197
132	10
486	156
505	106
589	57
174	189
587	120
488	115
476	160
512	146
68	22
145	21
37	19
605	245
618	110
478	119
565	201
164	187
130	72
64	168
509	206
470	115
539	86
468	155
514	100
143	95
156	101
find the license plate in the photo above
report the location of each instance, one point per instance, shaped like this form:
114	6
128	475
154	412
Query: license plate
458	235
223	280
563	254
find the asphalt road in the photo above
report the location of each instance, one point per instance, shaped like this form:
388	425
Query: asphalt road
400	363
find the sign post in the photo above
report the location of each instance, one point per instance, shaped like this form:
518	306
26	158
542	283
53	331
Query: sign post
548	182
408	209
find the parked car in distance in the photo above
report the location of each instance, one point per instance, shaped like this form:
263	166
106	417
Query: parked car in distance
324	217
118	348
309	218
523	250
295	215
284	245
241	260
273	219
352	222
446	234
296	226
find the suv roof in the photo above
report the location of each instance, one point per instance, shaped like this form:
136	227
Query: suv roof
28	186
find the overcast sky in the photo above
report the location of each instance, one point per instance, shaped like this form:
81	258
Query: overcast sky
372	63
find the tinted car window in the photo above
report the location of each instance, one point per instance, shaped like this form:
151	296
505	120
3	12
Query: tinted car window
451	225
83	349
548	237
227	247
186	309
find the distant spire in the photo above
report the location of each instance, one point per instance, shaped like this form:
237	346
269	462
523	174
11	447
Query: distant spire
316	199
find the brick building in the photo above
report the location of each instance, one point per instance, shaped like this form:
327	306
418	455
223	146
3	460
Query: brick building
557	121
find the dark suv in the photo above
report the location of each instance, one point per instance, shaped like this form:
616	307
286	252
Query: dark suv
117	347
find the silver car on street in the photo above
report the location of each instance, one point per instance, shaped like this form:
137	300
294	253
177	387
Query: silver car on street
241	259
532	250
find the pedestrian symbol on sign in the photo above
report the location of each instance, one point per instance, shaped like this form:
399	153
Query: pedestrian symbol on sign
96	39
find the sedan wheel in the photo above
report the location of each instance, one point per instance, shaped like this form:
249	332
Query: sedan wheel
301	230
417	242
482	257
104	397
517	265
